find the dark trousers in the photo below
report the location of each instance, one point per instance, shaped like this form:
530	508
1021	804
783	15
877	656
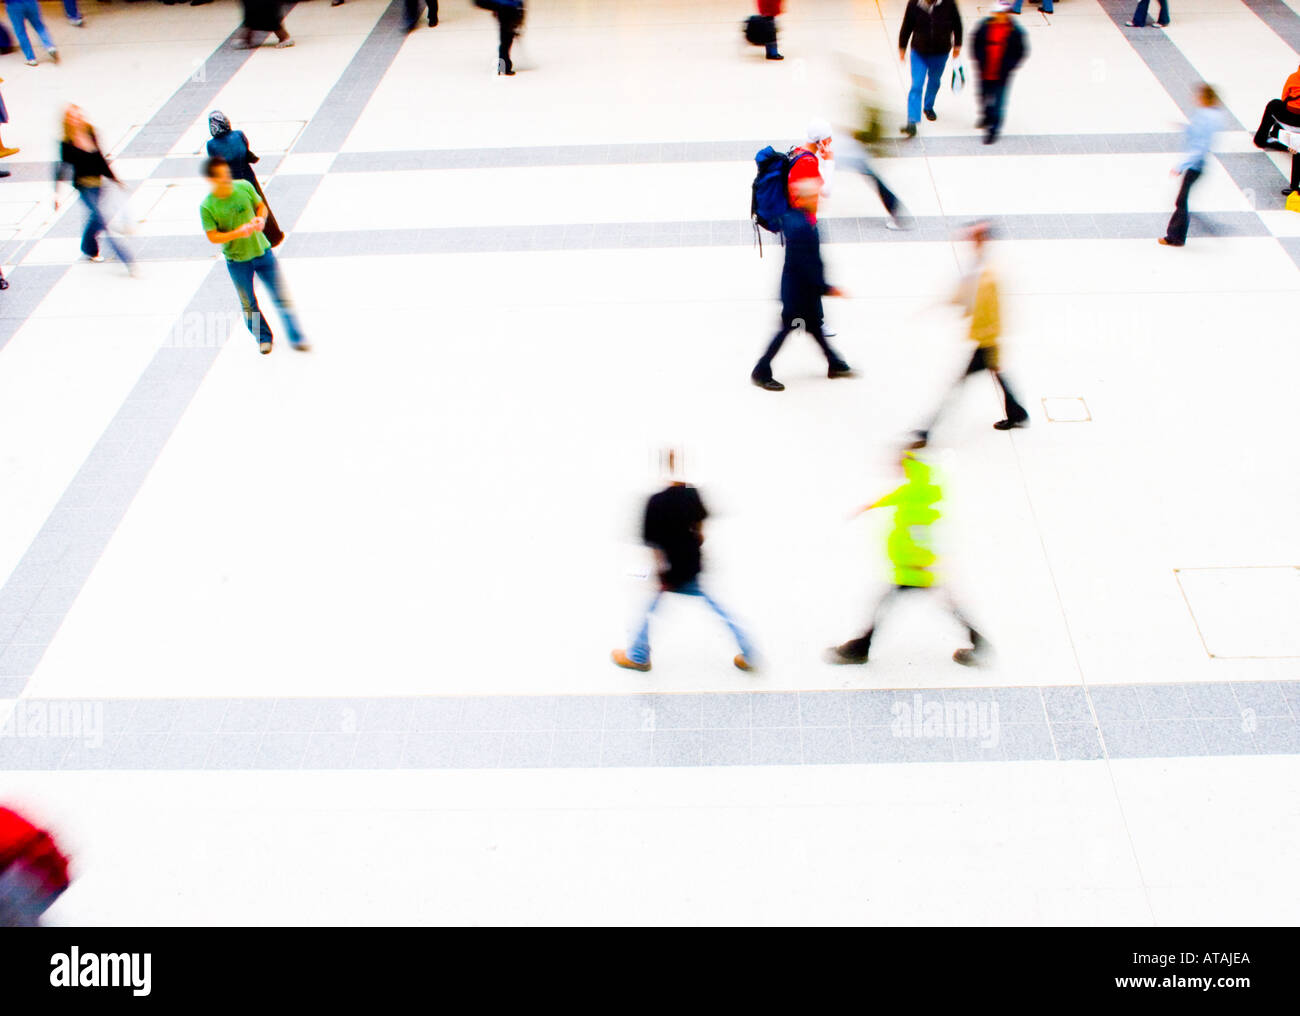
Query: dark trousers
979	361
1140	12
859	648
1277	109
1176	233
508	21
796	323
993	98
411	14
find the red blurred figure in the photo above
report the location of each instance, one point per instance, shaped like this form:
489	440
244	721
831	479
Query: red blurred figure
33	871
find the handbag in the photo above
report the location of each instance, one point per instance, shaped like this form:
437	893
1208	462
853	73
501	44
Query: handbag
958	78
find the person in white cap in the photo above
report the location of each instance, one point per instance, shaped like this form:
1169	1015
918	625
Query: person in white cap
820	166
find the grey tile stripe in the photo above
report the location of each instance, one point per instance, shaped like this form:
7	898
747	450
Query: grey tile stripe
28	287
289	196
656	729
702	151
1279	17
338	114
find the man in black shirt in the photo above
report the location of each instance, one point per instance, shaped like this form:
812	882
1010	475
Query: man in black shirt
673	523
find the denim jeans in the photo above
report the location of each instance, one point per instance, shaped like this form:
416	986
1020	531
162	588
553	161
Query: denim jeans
21	14
90	197
1140	12
1047	7
924	66
640	650
265	267
71	10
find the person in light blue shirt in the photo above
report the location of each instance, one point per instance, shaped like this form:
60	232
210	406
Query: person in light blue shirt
1206	121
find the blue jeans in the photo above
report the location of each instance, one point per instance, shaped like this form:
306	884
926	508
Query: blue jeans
21	14
71	10
95	225
1047	7
1140	12
924	66
640	651
265	267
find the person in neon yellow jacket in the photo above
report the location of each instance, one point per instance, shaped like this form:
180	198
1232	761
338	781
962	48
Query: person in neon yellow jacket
915	505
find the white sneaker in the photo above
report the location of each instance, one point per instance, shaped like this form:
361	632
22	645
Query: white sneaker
97	258
285	44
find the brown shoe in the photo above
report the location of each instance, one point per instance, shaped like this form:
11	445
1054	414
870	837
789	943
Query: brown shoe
742	663
621	659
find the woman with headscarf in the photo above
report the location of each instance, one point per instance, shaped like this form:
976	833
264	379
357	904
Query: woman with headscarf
232	145
81	159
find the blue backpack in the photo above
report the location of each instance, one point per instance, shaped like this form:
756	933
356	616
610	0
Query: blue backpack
770	199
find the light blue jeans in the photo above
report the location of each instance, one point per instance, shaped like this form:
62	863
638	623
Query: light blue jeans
267	269
21	14
95	224
640	650
924	66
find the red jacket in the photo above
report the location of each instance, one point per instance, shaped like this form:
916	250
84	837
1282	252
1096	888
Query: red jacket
22	841
769	8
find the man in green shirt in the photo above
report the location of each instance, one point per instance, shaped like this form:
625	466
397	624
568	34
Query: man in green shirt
234	216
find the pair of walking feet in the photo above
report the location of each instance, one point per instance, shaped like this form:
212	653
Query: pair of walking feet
856	652
771	384
922	437
621	659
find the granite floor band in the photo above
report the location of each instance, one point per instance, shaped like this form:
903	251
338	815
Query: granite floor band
724	729
1279	17
701	233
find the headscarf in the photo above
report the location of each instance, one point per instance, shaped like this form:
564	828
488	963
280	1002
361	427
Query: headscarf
218	123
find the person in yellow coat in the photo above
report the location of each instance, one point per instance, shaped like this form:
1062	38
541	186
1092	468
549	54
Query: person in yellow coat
915	505
978	294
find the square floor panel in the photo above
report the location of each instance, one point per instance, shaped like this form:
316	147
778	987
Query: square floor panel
1245	612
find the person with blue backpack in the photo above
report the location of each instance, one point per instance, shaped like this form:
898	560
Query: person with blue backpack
803	278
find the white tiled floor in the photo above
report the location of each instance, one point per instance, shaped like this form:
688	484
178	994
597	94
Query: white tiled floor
442	498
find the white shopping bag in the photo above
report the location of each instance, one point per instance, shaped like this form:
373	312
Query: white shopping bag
121	210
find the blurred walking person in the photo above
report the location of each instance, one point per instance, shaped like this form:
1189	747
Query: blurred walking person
673	527
1140	14
262	16
1207	120
234	216
933	27
33	871
768	12
915	505
232	145
978	296
998	47
81	160
28	12
510	17
803	284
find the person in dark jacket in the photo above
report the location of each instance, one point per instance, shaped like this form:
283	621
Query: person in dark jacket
673	528
999	47
934	29
803	284
262	16
232	145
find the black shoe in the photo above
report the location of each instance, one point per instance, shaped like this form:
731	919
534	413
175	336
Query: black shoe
909	130
840	370
775	56
989	138
1275	146
770	385
433	22
4	283
929	115
1012	424
1288	191
839	656
4	172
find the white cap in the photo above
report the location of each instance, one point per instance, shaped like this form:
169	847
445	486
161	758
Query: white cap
818	130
